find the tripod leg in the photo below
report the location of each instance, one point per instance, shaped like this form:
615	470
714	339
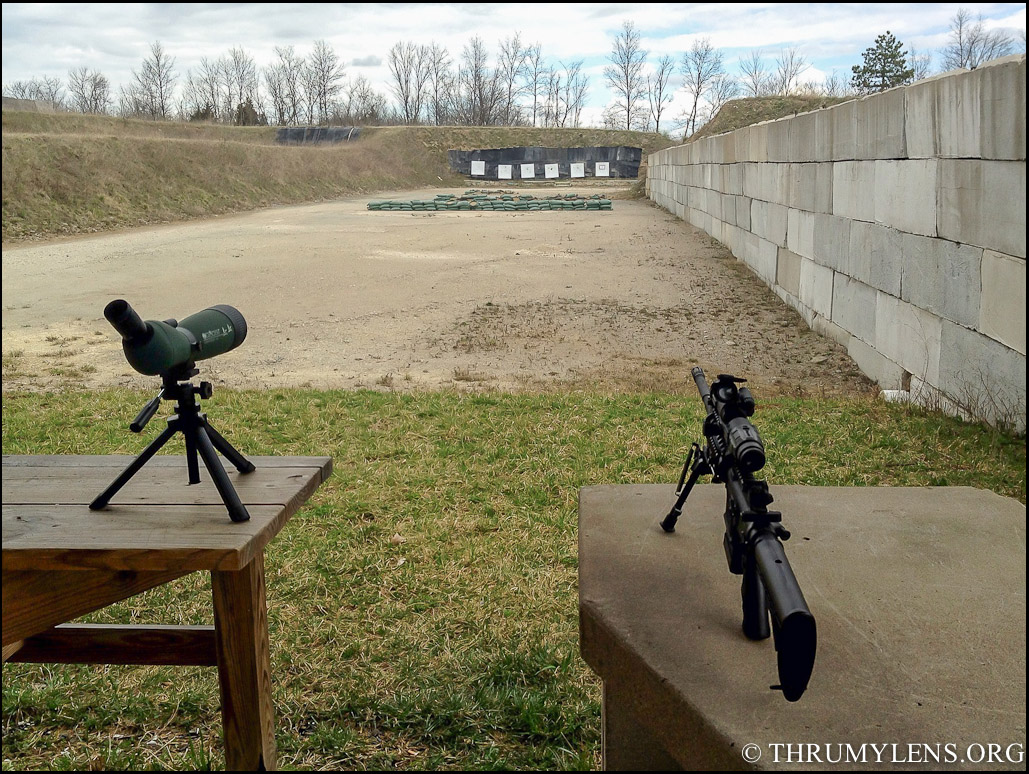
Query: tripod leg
243	465
105	497
192	466
237	511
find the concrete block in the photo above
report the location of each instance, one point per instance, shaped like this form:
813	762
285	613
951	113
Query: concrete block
875	256
905	195
758	143
832	242
779	139
767	258
958	106
742	139
830	330
843	119
732	179
983	375
983	203
1002	117
943	115
879	126
853	307
731	236
810	187
768	221
767	182
909	336
942	277
880	369
816	287
811	137
800	233
1002	308
743	205
787	272
726	148
920	124
728	208
853	190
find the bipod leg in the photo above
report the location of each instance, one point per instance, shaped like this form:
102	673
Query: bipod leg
237	511
105	497
243	465
697	467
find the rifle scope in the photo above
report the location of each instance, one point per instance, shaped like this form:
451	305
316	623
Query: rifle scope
170	347
733	405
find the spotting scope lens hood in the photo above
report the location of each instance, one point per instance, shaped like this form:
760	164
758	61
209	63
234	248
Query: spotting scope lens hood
166	348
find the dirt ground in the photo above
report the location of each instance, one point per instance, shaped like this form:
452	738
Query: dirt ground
337	296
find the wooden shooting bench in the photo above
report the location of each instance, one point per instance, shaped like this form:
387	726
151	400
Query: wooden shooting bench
61	561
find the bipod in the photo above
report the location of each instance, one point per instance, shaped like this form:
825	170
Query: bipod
200	438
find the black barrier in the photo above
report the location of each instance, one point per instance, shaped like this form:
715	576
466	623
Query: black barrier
623	161
313	135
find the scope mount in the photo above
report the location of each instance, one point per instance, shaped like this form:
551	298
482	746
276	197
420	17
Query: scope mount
200	438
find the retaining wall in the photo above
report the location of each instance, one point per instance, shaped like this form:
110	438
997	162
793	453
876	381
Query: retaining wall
895	224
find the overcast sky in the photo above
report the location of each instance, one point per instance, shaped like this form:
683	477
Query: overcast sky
49	39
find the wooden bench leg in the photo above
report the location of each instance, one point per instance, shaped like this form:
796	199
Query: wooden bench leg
244	669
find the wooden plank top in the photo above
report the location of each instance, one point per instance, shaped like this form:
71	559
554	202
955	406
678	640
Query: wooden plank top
156	522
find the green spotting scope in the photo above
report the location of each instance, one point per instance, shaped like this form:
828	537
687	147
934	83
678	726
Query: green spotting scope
171	347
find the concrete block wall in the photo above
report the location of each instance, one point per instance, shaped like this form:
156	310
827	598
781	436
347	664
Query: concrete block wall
894	223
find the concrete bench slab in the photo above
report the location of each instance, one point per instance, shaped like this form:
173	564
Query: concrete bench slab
919	595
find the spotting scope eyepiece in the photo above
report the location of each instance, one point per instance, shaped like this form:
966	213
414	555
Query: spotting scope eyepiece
169	347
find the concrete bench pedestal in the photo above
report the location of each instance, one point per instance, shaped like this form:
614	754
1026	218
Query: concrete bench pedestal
919	594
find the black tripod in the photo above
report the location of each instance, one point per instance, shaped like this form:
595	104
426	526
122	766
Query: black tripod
199	435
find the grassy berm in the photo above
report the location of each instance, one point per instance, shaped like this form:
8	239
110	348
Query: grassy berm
71	174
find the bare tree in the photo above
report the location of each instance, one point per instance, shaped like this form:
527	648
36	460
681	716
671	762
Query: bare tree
788	67
441	84
723	88
756	81
155	82
409	68
284	81
625	73
323	80
921	65
361	104
575	90
510	69
659	94
971	43
239	74
535	77
700	66
90	90
837	85
45	89
479	93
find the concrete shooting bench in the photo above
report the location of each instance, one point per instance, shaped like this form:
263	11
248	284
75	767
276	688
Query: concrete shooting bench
919	598
61	561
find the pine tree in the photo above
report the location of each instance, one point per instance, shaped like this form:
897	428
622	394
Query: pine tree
885	66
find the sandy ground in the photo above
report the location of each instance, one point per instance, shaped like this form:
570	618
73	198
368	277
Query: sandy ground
337	296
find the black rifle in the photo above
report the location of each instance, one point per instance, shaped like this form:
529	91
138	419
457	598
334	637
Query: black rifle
733	453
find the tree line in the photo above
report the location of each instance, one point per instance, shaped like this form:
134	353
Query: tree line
518	85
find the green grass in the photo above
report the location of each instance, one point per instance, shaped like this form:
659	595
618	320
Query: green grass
422	607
